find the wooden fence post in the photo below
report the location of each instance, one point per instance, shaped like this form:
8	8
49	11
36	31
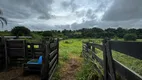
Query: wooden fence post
45	66
110	61
32	50
87	46
58	50
105	60
6	55
93	49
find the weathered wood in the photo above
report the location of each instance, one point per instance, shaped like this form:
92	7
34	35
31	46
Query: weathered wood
52	61
45	65
52	70
57	50
96	45
97	58
133	49
105	61
110	61
126	72
53	53
53	45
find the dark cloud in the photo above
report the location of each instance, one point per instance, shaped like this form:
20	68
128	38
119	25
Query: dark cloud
72	14
69	5
90	14
124	10
26	8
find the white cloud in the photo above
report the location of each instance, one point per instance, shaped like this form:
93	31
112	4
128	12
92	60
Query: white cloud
60	14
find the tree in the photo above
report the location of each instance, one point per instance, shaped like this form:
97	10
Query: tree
2	19
130	37
120	32
47	34
20	31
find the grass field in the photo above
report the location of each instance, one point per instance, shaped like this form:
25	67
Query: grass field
72	48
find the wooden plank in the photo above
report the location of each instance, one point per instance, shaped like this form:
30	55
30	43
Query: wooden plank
52	45
52	61
57	50
96	45
105	60
110	61
17	43
126	72
97	58
133	49
38	50
45	65
53	53
52	71
16	53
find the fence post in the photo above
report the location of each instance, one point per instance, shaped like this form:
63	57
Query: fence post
6	55
32	50
45	65
93	49
58	50
87	46
110	61
105	60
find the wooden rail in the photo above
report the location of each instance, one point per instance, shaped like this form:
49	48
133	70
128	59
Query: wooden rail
109	64
18	52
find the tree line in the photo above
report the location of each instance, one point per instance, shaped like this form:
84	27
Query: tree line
81	33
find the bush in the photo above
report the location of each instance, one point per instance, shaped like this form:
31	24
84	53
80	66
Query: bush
130	37
20	31
47	34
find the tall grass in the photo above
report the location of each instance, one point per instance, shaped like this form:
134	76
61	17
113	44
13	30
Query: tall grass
74	47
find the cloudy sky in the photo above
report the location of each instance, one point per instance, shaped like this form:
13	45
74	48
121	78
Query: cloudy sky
72	14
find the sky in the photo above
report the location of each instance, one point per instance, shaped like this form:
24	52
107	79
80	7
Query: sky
71	14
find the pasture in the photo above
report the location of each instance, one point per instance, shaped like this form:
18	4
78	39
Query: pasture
73	47
72	66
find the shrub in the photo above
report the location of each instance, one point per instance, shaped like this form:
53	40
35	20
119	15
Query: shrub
47	34
130	37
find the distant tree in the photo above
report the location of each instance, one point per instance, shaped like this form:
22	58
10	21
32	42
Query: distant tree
139	33
20	31
2	19
110	32
120	32
130	37
47	34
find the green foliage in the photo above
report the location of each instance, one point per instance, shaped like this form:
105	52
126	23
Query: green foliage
2	19
47	34
20	31
130	37
35	38
87	72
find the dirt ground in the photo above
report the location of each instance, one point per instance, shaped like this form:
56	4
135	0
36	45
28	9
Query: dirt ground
17	74
70	69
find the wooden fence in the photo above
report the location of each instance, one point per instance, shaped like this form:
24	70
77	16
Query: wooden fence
17	52
109	65
51	57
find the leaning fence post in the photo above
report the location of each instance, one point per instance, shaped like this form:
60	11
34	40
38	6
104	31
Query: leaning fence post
93	49
57	50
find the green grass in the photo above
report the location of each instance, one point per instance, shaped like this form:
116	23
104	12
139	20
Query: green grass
74	47
130	62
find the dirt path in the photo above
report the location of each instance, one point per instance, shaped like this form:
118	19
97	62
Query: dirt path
16	74
69	70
